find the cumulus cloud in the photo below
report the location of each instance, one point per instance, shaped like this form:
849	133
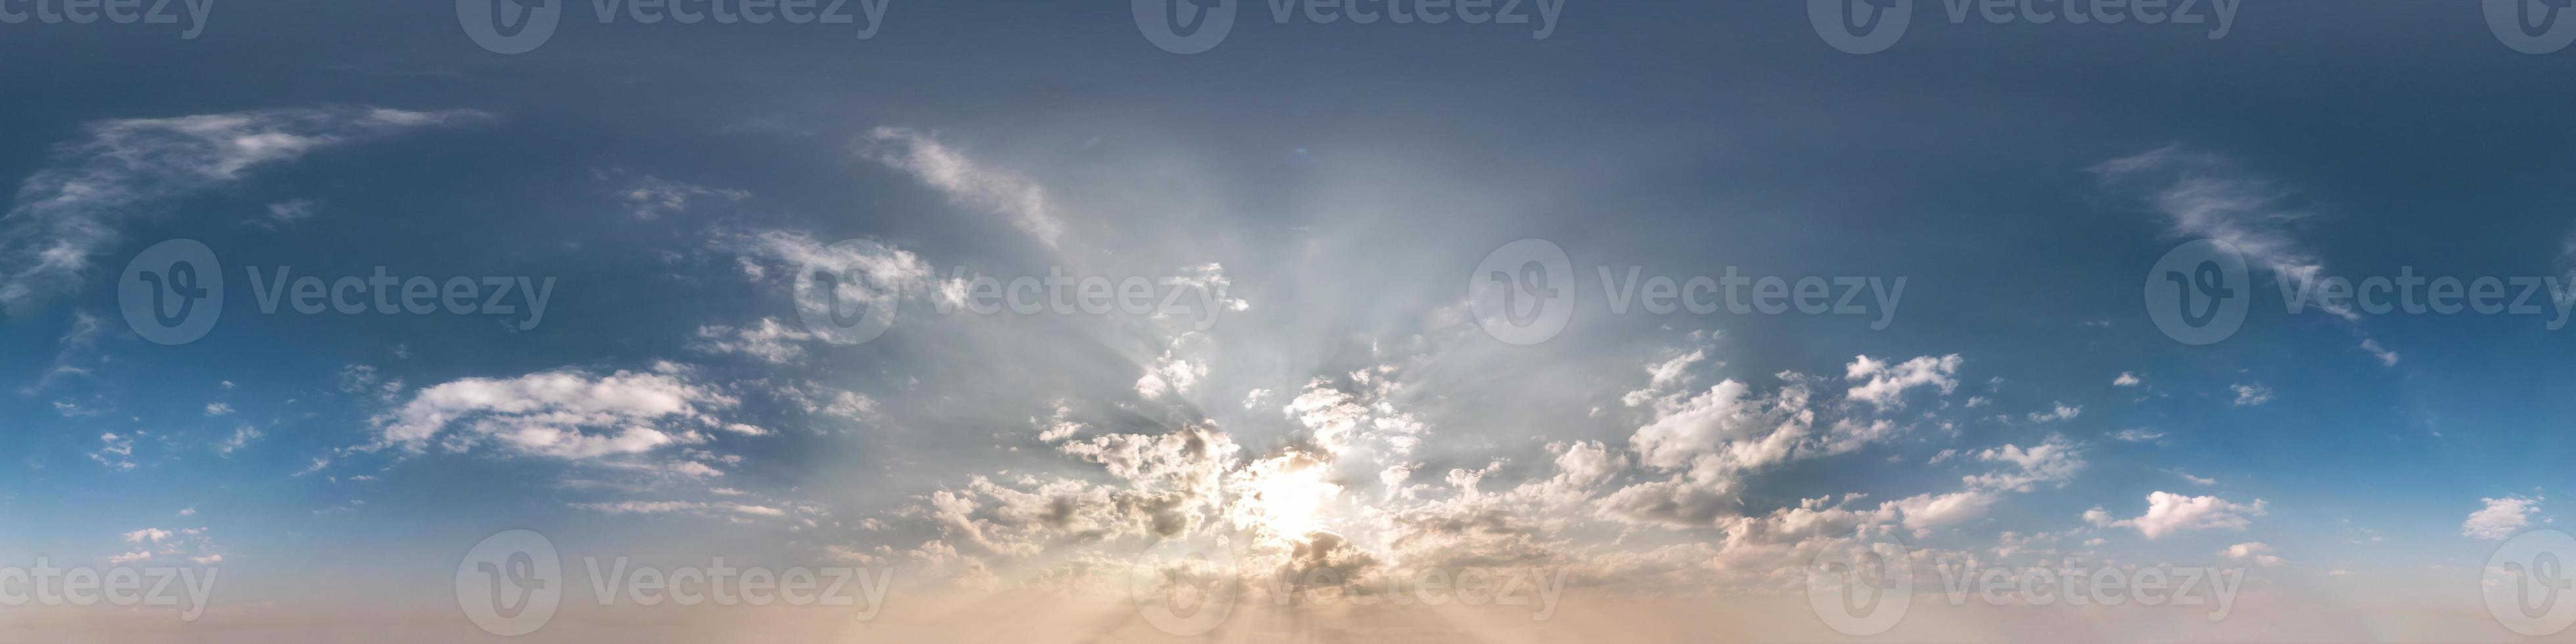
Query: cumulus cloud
1886	384
2500	519
2168	513
566	414
2126	379
71	211
2256	551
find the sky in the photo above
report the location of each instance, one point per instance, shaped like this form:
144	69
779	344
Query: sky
1043	321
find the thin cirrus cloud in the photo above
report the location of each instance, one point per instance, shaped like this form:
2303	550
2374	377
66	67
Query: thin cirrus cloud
68	213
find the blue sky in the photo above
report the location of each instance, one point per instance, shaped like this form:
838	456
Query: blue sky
1326	187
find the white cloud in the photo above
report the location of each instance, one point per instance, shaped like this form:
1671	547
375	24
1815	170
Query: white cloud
666	507
218	409
2168	513
648	197
2500	519
2126	379
71	211
969	182
2138	435
767	340
2057	412
564	414
2205	195
2385	356
1887	383
242	436
2251	395
2257	551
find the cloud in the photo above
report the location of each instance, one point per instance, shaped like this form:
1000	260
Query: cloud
767	340
2057	412
2168	513
969	183
2251	395
2386	357
2500	519
2138	435
648	197
564	414
1887	383
2206	195
2257	551
2126	379
2052	461
70	212
667	507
